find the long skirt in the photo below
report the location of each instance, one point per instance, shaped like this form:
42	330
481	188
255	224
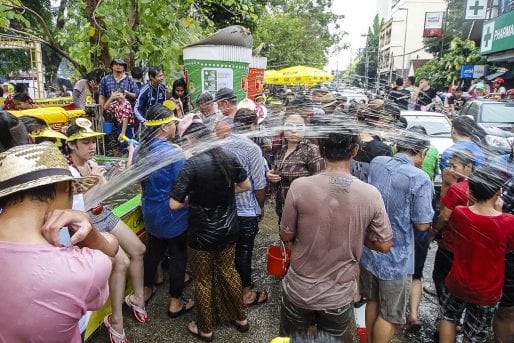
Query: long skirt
217	287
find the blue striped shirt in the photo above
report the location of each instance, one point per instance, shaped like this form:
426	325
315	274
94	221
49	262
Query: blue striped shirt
108	84
249	156
148	96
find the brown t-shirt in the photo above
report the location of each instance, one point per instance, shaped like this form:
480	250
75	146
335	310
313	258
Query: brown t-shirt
331	215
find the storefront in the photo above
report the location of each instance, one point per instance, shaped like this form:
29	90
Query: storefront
498	39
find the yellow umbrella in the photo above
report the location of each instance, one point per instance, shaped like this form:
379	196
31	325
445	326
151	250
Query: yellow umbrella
296	75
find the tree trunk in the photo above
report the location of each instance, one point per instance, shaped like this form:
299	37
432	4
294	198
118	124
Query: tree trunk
134	20
98	60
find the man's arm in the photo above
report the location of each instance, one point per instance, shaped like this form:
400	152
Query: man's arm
382	247
442	220
422	227
243	186
141	105
260	196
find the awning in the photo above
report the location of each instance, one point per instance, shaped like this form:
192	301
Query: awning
507	75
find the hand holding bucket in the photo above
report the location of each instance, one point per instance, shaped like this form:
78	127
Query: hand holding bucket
278	259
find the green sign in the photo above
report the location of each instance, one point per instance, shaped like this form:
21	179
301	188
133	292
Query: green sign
498	34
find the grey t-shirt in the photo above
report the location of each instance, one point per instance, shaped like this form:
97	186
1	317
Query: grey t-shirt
331	215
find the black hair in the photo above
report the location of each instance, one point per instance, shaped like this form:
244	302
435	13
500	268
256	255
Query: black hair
464	157
424	78
1	92
399	81
419	129
136	72
197	130
12	131
465	126
33	124
20	88
154	112
484	183
205	98
94	75
21	97
412	79
153	71
73	129
222	163
42	193
244	119
412	142
179	83
338	146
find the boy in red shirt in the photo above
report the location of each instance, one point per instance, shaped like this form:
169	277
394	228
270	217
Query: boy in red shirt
474	284
461	167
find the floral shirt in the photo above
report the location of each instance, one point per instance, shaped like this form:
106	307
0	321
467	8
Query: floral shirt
9	103
305	160
122	109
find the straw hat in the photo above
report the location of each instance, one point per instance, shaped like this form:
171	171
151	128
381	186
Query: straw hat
48	133
28	166
87	132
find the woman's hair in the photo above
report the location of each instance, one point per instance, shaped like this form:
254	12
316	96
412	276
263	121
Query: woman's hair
21	97
484	183
12	131
154	112
465	126
20	88
179	83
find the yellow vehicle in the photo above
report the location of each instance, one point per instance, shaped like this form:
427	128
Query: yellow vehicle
49	102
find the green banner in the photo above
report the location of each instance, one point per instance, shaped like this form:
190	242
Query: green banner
498	34
210	76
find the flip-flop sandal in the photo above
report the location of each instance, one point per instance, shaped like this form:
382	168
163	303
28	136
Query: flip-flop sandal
198	335
189	280
243	328
154	291
257	298
182	311
114	336
414	326
139	312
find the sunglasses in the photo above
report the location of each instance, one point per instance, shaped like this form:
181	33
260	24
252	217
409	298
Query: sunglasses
294	127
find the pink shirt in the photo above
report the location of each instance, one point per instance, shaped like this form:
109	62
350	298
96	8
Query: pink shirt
45	290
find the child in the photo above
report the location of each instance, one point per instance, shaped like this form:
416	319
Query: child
120	108
476	278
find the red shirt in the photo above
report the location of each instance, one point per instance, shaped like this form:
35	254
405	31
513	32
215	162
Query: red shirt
457	195
478	268
122	109
9	103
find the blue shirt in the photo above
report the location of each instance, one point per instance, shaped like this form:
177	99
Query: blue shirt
160	220
460	145
249	155
407	192
108	84
148	96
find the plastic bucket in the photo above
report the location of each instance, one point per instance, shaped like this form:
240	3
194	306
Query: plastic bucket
107	127
278	260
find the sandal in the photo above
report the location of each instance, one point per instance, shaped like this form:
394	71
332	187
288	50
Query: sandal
139	312
257	300
243	328
198	334
154	291
114	336
182	311
189	280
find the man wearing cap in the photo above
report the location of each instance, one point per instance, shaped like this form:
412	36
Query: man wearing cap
227	104
385	279
209	113
46	288
117	80
154	92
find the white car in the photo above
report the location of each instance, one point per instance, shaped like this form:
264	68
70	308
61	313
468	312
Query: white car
438	128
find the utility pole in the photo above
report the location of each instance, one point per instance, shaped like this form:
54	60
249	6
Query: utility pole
404	38
367	70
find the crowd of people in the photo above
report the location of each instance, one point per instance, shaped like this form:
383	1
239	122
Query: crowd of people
357	209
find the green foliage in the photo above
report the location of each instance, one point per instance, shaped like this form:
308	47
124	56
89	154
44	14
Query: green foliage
442	72
296	32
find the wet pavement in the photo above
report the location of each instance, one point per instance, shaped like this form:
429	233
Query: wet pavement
264	319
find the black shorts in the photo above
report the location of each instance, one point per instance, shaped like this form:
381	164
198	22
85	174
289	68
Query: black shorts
477	319
421	244
507	299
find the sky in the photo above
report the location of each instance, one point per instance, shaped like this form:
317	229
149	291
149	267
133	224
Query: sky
359	16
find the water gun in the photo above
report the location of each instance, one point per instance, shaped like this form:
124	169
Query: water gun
130	141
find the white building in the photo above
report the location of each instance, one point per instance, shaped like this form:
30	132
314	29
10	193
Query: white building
401	37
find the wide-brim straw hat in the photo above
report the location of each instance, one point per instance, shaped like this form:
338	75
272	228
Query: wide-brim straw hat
29	166
85	132
48	133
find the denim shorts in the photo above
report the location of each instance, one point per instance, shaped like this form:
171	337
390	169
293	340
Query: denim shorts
392	295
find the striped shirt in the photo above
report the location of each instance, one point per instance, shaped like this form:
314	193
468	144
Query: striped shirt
249	156
108	84
148	96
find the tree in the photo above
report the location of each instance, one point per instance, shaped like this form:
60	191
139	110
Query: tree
296	32
442	71
369	55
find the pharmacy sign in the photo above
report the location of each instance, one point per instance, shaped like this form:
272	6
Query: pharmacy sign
498	34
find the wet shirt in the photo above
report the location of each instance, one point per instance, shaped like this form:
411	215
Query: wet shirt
121	109
457	102
479	157
457	195
331	215
430	163
407	192
46	290
305	160
160	220
425	98
108	84
367	152
148	96
212	211
250	157
478	269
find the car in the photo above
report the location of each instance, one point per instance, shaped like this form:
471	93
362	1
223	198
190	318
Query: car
438	128
496	118
346	98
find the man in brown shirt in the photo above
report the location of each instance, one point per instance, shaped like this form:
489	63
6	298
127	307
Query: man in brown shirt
329	217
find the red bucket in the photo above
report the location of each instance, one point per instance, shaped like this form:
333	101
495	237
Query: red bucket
278	260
